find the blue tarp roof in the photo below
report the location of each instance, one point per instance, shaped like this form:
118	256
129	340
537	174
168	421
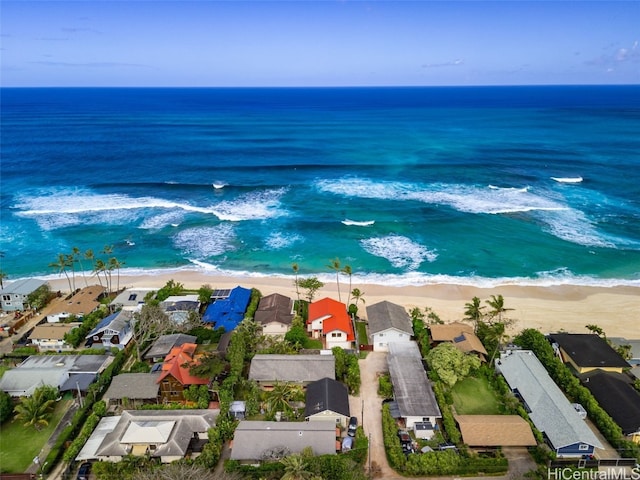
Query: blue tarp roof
228	312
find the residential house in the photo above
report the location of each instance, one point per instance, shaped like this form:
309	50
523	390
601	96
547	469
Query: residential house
168	435
327	400
130	299
115	330
275	314
634	352
13	297
175	376
53	370
412	390
163	345
50	337
460	335
257	441
328	319
83	302
495	431
228	312
617	396
588	351
388	323
131	390
548	408
268	370
178	307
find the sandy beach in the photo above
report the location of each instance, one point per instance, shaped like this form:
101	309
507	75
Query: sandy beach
548	309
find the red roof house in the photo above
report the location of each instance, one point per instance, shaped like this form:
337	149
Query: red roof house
329	319
175	376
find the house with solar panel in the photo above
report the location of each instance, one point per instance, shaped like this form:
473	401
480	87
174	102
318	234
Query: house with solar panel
228	308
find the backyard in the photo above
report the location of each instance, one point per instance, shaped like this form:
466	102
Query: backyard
26	442
474	396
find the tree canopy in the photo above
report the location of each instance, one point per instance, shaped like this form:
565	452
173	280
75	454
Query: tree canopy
451	364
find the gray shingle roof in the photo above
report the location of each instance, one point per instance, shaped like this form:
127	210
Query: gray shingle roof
292	368
135	386
22	287
274	308
411	387
254	440
589	350
163	345
186	423
551	412
385	315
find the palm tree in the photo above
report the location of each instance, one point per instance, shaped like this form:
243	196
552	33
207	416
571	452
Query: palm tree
497	305
100	267
347	271
295	468
115	264
61	265
473	311
3	276
295	268
35	410
279	399
88	255
357	295
335	265
78	258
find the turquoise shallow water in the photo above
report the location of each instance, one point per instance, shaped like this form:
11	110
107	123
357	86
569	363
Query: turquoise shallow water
406	185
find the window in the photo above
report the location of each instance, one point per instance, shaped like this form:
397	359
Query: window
335	335
381	334
583	446
6	298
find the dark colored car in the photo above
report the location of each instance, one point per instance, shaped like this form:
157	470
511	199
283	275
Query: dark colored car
405	442
83	471
353	426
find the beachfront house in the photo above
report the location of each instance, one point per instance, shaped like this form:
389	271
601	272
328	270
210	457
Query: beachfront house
179	307
255	442
130	299
327	400
460	335
585	352
388	323
269	369
14	295
115	330
227	311
83	302
328	320
552	414
412	390
275	314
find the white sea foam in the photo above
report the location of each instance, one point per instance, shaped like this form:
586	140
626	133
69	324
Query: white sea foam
567	179
574	226
464	198
203	242
158	222
401	252
280	240
72	207
364	223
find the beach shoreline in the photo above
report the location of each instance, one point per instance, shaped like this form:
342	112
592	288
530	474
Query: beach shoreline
546	308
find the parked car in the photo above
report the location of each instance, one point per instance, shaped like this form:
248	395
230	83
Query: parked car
347	444
353	426
406	442
84	471
447	446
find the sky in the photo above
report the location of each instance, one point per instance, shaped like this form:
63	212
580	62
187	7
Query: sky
241	43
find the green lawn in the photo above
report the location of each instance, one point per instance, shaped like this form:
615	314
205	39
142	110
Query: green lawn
362	333
474	396
19	445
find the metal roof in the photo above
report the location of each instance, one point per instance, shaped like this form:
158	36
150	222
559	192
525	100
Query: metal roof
386	315
292	368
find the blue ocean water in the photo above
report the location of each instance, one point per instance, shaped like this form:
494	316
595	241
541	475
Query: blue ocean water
531	185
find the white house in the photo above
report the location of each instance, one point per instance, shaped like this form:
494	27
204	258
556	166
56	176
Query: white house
50	337
388	323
